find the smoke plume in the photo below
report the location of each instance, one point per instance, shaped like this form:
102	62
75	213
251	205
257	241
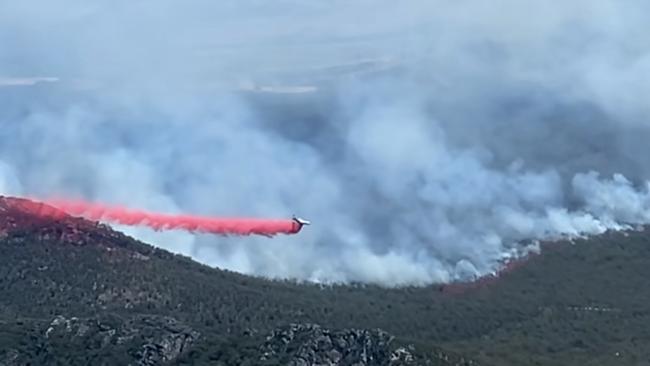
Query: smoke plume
427	141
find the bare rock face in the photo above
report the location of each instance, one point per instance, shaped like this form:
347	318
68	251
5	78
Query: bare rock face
150	340
309	344
167	346
9	358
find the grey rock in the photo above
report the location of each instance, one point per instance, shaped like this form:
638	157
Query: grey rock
311	345
165	349
156	340
9	358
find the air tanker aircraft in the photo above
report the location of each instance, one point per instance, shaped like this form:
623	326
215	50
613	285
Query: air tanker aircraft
299	223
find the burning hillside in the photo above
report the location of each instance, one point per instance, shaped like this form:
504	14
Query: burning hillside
23	217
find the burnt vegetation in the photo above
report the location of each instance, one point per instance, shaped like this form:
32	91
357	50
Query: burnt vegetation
75	292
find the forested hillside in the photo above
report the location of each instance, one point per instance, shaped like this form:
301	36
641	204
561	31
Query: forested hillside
74	292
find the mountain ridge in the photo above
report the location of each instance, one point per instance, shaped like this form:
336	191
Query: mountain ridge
541	313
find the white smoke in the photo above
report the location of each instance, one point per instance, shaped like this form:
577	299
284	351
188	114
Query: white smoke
9	184
426	140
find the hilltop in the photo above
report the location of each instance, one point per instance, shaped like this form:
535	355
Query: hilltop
74	291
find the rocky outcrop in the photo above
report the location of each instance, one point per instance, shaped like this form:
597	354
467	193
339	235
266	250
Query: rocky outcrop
9	358
167	346
309	344
150	340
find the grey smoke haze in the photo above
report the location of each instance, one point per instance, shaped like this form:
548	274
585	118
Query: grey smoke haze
475	125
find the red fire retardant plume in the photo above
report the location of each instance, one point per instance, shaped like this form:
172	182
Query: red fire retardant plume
157	221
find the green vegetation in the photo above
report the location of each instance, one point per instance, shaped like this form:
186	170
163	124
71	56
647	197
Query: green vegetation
581	303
